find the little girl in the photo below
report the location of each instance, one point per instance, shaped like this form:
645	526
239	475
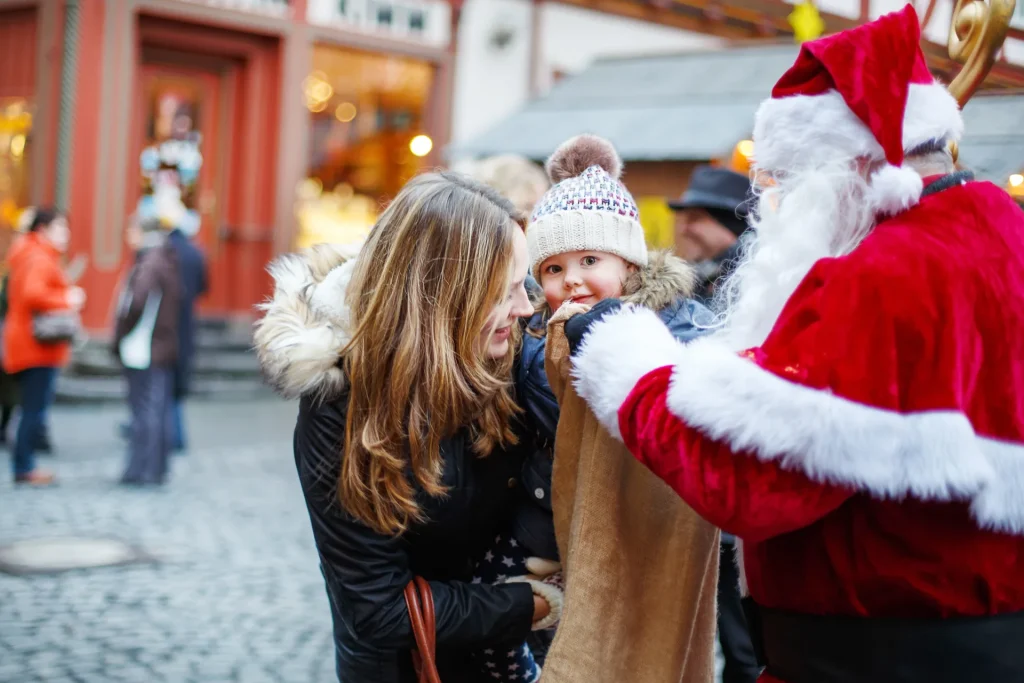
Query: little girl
586	245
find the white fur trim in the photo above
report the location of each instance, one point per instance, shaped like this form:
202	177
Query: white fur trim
805	131
551	594
305	326
616	353
933	455
894	189
328	296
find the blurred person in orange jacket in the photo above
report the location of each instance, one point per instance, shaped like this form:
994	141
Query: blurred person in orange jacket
36	285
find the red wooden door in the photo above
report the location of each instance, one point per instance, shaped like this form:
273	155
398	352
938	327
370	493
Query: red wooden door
168	95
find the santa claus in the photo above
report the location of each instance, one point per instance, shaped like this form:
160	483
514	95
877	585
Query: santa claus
858	418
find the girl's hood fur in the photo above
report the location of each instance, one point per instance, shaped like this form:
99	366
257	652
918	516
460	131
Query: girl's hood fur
305	325
664	279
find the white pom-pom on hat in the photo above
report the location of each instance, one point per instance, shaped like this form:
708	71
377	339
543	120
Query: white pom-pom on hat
895	189
576	155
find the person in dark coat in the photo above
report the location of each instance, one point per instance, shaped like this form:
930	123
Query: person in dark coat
146	343
711	216
193	276
407	444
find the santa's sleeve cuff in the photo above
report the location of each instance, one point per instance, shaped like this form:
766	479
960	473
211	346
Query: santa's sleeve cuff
615	354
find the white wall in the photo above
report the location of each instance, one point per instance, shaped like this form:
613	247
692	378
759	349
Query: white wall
492	83
571	38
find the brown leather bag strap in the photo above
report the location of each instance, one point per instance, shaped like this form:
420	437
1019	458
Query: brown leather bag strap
419	599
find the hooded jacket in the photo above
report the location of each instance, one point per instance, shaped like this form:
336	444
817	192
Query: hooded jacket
663	285
36	285
641	567
299	342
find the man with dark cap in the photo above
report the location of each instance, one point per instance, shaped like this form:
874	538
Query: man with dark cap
710	217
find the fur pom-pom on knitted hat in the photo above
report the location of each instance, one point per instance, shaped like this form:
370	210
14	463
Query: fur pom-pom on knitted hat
587	208
576	155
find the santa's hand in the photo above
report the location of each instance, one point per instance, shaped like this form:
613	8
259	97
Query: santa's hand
540	567
577	326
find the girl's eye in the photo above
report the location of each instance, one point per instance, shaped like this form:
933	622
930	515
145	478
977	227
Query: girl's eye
553	270
590	260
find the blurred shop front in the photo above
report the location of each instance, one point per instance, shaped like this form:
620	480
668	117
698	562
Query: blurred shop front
279	123
368	136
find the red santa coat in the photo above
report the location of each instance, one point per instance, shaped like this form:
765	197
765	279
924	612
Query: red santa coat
871	452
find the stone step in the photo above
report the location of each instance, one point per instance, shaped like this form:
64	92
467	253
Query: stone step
73	389
224	340
95	360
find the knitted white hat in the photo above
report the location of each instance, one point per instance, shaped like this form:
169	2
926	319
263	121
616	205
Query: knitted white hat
587	208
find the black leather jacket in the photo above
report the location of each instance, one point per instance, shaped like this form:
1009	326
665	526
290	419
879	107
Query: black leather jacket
366	572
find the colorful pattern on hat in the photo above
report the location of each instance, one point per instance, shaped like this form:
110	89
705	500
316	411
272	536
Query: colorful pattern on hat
592	190
589	212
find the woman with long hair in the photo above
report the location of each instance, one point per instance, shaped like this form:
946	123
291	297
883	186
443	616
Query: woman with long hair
407	442
36	287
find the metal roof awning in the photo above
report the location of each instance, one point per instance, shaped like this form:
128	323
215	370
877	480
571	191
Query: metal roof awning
696	106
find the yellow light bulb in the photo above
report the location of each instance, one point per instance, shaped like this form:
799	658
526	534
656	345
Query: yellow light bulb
421	145
345	112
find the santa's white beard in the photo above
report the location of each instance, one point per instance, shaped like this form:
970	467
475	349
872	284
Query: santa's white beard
804	217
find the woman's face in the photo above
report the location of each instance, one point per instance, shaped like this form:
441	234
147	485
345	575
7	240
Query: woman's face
516	304
58	233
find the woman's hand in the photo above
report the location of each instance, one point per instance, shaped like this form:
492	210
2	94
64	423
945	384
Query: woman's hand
76	298
541	608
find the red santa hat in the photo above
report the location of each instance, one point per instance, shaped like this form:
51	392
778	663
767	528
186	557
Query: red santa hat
865	92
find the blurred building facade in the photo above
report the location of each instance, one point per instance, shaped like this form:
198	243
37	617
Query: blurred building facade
302	117
684	93
297	117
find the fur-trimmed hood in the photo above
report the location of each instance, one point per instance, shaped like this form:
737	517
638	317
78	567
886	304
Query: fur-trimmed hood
306	323
661	282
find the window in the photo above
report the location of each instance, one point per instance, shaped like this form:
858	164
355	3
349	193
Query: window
15	160
366	109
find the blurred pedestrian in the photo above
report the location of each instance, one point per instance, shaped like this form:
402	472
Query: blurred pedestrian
520	180
710	217
8	385
146	343
40	324
193	280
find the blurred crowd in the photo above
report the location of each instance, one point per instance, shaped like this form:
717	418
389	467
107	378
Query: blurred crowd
153	335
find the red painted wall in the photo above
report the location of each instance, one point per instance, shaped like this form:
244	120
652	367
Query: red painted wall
18	37
84	185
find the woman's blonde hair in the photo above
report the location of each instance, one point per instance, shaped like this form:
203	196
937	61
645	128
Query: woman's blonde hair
432	269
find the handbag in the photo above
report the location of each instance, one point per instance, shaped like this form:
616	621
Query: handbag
420	601
55	328
136	347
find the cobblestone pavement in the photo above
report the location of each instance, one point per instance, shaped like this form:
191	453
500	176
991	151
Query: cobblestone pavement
235	593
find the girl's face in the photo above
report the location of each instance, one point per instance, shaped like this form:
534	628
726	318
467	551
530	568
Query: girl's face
58	233
583	277
516	304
